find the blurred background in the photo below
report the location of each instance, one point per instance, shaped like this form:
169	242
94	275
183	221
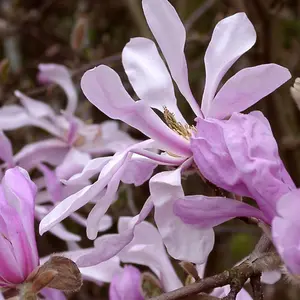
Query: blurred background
85	33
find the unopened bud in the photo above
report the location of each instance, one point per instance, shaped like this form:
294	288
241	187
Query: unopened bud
58	273
79	33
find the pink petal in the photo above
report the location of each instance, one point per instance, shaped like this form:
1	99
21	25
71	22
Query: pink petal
102	204
232	37
170	35
183	241
82	197
270	277
21	199
107	246
60	75
51	151
246	88
103	87
13	117
35	108
149	76
147	249
53	185
6	152
53	294
208	212
138	170
126	285
73	163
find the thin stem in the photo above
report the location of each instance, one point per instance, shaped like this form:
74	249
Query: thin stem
256	287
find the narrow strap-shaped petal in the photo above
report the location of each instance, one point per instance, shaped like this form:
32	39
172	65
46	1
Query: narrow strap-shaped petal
103	87
107	246
183	241
149	76
35	108
246	88
60	75
208	212
170	35
147	249
232	37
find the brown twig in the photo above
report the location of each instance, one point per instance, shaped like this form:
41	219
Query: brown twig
256	287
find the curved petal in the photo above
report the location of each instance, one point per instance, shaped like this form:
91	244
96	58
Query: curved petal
208	212
35	108
149	76
183	241
51	151
53	294
147	249
60	75
82	197
170	35
103	87
270	277
107	246
102	205
13	117
232	37
246	88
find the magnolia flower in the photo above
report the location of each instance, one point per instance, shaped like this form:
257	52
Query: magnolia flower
68	130
50	189
240	155
170	141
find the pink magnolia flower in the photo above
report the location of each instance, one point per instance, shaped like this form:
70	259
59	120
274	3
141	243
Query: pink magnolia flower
170	141
18	255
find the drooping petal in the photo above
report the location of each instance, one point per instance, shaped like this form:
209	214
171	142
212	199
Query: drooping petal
109	245
13	117
6	152
232	37
147	249
60	75
126	285
82	197
246	88
58	230
170	35
102	205
51	151
103	87
35	108
208	212
183	241
149	76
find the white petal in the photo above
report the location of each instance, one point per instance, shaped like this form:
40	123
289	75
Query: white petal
232	37
149	76
103	87
170	35
246	88
60	75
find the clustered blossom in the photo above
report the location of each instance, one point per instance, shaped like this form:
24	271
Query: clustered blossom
86	163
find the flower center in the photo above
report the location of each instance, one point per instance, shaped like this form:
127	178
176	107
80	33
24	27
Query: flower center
183	130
